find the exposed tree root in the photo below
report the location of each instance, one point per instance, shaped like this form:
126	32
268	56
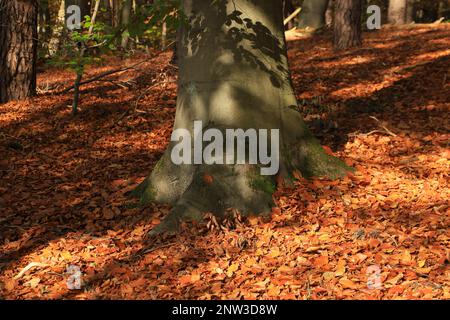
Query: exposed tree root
195	190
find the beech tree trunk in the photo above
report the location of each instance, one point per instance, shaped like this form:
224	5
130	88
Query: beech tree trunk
116	13
18	49
313	14
329	14
233	73
57	30
347	24
409	11
397	11
126	14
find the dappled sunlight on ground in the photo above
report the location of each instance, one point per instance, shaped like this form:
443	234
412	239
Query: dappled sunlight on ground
383	109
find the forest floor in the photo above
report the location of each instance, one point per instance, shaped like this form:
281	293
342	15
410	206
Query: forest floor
381	233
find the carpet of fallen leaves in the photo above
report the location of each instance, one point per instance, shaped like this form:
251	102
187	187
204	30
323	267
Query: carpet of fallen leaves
381	233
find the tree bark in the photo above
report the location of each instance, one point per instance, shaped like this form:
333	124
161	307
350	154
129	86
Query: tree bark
347	24
126	14
57	30
313	14
233	73
44	25
397	12
329	14
410	11
18	49
116	13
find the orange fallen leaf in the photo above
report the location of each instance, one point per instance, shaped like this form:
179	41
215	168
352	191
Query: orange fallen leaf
395	279
340	268
348	284
406	258
10	284
66	255
275	252
423	270
321	261
231	269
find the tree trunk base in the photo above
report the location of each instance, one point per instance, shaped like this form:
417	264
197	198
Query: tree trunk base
234	76
194	190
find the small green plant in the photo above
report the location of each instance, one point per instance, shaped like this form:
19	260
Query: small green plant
147	23
84	47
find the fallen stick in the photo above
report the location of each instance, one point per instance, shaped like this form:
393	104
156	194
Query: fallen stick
292	16
102	75
108	73
28	267
380	124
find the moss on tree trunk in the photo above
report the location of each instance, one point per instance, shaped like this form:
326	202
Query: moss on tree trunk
233	74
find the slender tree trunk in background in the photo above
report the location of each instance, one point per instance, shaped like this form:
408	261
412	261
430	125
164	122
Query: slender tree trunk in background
347	24
174	59
126	14
397	12
80	70
107	16
410	11
57	30
116	13
313	14
233	73
444	9
76	92
18	49
43	18
45	25
164	36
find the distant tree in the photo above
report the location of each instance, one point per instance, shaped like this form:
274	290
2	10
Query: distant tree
44	22
397	11
125	20
347	24
313	14
410	8
18	49
57	30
